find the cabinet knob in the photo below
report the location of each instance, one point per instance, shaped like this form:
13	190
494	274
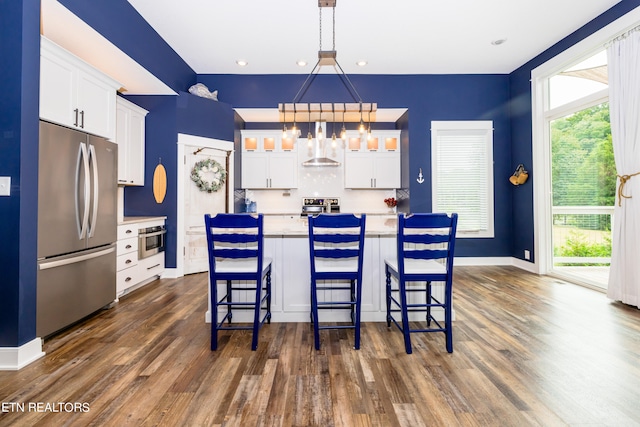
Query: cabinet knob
128	261
128	247
128	279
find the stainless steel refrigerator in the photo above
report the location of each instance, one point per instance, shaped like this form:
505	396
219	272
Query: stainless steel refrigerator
77	226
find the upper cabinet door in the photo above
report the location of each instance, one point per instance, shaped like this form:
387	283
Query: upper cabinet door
130	137
96	103
58	89
74	94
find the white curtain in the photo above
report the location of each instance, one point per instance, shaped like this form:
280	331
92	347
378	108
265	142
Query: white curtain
624	105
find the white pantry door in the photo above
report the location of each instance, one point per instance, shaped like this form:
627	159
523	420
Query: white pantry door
196	204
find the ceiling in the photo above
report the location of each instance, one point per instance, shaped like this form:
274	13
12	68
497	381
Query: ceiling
406	37
399	37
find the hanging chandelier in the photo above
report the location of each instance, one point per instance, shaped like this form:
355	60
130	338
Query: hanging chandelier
310	112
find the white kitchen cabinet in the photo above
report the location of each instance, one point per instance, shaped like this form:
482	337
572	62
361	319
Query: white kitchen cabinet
268	160
130	134
133	272
74	94
373	163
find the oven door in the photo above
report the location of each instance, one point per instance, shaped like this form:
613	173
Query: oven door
151	241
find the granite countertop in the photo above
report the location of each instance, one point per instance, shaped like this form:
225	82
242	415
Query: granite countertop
134	219
294	225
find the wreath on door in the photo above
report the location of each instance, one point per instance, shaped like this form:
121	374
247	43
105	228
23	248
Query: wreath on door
211	169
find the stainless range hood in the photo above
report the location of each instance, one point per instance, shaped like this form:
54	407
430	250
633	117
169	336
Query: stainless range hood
319	150
321	161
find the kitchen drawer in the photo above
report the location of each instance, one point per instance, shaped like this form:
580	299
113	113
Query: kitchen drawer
142	271
126	260
154	265
127	278
128	230
126	246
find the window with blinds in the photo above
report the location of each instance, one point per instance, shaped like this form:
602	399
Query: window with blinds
462	174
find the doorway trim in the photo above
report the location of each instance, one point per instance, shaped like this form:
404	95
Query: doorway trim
185	140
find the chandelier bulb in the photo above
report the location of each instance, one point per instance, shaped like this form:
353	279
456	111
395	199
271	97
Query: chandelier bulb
320	135
333	140
343	133
284	132
310	139
361	128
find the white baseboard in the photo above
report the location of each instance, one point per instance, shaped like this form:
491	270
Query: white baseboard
15	358
170	273
525	265
468	261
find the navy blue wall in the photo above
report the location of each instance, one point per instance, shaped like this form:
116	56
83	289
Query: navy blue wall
19	77
204	117
168	116
160	145
427	97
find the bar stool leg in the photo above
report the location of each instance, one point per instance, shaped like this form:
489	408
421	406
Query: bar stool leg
405	316
314	313
256	316
269	295
358	299
214	316
428	302
229	299
388	293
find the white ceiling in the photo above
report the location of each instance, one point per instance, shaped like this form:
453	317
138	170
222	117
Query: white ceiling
402	37
395	37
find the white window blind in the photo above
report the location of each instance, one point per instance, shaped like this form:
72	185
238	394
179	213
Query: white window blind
462	174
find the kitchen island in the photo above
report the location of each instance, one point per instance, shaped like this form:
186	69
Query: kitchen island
286	243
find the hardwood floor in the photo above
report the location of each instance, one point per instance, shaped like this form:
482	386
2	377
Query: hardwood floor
528	350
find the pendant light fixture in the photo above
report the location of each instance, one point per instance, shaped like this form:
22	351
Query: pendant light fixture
294	129
309	136
328	58
284	127
343	132
319	134
333	127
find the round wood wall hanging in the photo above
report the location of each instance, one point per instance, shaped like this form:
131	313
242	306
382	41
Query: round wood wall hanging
159	183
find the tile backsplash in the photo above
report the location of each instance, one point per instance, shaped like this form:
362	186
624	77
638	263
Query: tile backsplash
321	181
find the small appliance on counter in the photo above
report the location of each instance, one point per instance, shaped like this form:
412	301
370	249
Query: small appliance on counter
317	205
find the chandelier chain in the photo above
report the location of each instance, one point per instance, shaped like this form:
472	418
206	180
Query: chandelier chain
334	29
320	26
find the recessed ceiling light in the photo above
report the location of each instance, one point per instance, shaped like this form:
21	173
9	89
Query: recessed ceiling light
301	62
498	42
242	62
361	63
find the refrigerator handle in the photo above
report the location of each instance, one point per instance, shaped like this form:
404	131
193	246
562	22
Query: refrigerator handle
80	258
93	161
80	167
83	163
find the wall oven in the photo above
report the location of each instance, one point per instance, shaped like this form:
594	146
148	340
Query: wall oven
151	240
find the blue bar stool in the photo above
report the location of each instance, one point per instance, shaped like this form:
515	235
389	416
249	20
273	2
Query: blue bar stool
336	246
235	246
425	249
